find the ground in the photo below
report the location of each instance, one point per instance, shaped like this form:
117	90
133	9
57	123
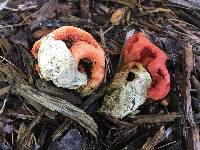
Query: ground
35	114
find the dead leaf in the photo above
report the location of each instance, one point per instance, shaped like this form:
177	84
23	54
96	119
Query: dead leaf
117	16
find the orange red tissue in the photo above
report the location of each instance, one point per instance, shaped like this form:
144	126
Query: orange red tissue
138	48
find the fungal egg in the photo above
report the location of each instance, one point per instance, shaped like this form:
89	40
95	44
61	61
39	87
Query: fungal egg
127	91
57	64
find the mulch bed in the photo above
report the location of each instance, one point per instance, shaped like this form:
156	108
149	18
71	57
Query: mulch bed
36	114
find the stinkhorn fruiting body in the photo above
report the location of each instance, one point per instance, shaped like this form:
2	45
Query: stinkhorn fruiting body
127	91
71	71
87	52
65	33
138	48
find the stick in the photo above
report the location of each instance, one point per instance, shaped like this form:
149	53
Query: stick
191	133
156	118
153	141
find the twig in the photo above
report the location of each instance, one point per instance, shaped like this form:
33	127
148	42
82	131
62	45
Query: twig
187	32
21	73
187	16
173	33
62	128
156	10
108	63
153	141
14	25
118	122
22	114
123	137
31	126
192	133
168	144
4	104
181	21
156	118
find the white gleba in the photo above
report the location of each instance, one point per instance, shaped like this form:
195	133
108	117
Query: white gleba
57	64
123	95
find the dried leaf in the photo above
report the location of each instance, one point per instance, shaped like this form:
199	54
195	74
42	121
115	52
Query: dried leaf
117	16
59	105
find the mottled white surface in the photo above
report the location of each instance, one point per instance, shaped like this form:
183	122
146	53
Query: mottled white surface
124	97
57	64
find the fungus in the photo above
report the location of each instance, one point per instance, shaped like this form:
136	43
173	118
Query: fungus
127	91
70	71
56	64
138	48
87	52
68	33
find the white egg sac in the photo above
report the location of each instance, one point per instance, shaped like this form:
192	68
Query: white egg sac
127	92
57	64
